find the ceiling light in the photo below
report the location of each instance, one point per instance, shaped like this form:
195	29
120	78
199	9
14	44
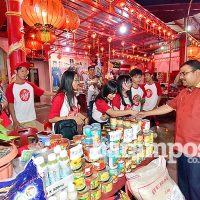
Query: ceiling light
123	29
189	28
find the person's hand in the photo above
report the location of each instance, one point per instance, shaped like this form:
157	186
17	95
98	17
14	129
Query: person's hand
104	117
16	125
86	120
141	114
79	120
133	112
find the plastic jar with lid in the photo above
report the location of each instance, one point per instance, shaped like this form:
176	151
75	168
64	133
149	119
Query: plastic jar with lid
65	169
53	168
72	193
42	169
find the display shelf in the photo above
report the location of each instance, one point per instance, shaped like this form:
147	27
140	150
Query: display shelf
59	185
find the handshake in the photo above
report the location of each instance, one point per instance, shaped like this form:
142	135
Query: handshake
141	114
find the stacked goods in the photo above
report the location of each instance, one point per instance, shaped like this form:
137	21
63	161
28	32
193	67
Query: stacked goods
98	158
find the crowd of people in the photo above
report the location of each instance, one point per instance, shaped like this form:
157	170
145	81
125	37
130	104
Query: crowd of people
116	98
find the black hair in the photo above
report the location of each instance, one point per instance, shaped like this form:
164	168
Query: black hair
91	67
109	88
162	85
96	76
66	86
121	79
195	64
135	72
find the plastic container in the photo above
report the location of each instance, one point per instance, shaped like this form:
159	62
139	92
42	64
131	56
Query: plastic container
6	166
72	193
65	169
44	137
57	150
42	169
53	168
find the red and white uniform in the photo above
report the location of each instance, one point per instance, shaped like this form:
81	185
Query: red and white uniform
22	96
153	92
117	102
60	107
100	108
140	91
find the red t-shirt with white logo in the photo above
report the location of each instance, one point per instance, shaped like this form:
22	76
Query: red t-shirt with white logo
137	92
60	107
117	102
22	96
153	91
100	107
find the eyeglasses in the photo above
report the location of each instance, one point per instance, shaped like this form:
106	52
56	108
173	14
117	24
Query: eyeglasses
185	73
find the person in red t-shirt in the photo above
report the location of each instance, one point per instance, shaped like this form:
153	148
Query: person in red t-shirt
102	108
65	105
123	99
20	96
187	106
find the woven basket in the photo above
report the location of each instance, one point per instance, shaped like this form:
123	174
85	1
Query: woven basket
6	167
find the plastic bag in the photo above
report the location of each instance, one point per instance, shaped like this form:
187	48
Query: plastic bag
153	182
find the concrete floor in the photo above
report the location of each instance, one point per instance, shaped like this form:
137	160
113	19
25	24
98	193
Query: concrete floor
165	131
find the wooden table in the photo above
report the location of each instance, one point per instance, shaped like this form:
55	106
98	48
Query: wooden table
122	181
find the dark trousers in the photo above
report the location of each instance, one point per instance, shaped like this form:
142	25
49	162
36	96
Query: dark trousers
189	177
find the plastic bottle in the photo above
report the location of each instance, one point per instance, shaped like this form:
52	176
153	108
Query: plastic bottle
65	169
53	168
62	195
57	150
72	193
42	169
52	198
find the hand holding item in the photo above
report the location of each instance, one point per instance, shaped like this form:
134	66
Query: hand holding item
79	120
141	114
16	125
86	120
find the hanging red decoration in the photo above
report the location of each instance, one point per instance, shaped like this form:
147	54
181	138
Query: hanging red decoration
33	44
46	14
72	21
46	37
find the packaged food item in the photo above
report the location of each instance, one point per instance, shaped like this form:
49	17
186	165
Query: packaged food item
78	139
140	139
107	186
53	166
119	122
113	123
121	168
87	131
92	181
114	173
95	194
100	164
147	138
64	164
79	179
145	124
88	169
84	194
104	175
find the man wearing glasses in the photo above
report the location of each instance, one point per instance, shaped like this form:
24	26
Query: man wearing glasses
187	106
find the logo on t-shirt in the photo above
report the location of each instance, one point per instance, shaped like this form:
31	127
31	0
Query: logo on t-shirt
149	93
136	103
24	95
127	107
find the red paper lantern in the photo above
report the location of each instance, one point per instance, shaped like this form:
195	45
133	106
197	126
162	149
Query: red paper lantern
33	44
72	21
43	13
45	37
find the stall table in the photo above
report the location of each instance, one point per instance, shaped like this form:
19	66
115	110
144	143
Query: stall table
122	181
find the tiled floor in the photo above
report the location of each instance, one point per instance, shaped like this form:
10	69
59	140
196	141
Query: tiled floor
166	130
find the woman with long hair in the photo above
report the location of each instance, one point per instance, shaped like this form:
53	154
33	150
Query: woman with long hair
65	105
102	108
123	99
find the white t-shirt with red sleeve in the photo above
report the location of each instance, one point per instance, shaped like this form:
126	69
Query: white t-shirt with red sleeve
153	92
60	107
137	92
117	102
100	107
22	96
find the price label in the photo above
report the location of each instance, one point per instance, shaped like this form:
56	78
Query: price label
115	135
128	135
95	152
76	152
